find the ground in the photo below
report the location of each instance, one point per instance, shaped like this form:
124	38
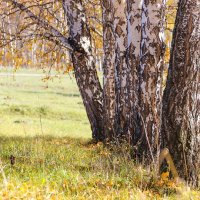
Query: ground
44	129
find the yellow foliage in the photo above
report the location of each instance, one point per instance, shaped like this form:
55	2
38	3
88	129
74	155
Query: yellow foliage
165	176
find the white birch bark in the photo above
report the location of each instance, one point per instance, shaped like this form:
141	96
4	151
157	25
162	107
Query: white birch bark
150	74
108	69
11	43
133	61
84	65
120	29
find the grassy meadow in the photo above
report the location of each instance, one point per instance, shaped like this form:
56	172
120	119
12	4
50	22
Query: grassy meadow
32	107
44	127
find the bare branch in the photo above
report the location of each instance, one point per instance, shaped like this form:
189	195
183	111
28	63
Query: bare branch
44	24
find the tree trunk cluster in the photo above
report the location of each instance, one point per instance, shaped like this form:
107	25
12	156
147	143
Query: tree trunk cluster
128	107
131	106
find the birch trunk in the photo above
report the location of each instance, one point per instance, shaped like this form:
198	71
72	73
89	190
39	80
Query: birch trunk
181	102
133	61
150	77
12	64
84	65
120	29
108	69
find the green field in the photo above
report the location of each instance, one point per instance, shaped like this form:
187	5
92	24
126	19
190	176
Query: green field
44	126
32	107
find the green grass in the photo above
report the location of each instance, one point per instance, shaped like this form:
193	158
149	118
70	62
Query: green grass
28	103
47	131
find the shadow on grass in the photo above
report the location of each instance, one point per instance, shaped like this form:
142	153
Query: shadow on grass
48	138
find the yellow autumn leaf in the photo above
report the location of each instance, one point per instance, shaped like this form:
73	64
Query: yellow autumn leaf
165	176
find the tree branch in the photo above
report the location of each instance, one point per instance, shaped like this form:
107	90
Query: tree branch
64	40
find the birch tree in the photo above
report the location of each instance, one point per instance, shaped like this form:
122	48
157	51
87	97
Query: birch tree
120	30
84	66
133	61
150	76
109	69
181	102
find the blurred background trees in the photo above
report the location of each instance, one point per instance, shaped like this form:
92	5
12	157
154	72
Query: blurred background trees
30	47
